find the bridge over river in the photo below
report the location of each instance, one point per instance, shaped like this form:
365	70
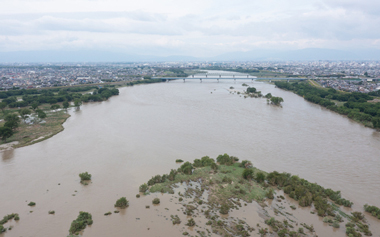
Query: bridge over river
223	76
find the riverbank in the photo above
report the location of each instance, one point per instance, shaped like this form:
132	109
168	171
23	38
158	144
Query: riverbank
355	105
39	114
37	131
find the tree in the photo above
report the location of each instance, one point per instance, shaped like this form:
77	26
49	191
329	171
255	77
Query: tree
41	114
248	173
55	106
77	102
122	202
276	100
251	90
268	96
376	122
2	106
24	113
34	105
66	104
5	132
12	121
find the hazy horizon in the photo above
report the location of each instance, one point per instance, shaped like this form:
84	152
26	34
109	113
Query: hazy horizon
199	29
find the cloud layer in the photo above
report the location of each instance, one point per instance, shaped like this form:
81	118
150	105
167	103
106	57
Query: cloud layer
196	28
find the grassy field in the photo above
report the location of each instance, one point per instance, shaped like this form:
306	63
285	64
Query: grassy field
27	134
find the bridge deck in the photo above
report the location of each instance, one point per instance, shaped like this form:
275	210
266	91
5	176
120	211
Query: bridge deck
227	78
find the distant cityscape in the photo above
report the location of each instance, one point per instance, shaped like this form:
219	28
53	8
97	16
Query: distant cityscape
341	75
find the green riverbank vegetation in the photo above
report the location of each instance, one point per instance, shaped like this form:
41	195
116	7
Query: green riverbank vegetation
355	105
79	224
122	202
84	177
219	186
30	116
13	216
253	93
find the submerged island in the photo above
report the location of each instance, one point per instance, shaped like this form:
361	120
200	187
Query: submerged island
212	189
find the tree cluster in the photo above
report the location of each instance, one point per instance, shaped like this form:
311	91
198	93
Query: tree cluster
12	122
34	97
356	104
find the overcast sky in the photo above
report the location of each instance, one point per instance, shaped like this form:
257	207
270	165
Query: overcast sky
196	27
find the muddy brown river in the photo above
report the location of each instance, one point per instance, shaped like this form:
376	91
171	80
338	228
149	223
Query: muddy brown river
126	140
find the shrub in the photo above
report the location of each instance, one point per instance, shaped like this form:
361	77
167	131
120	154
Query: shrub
156	201
107	213
154	180
251	90
55	106
9	217
225	159
41	114
137	195
85	176
224	209
248	174
269	194
375	211
260	177
80	223
214	166
143	188
32	204
190	222
207	161
172	175
122	202
336	224
276	100
175	219
246	164
51	212
179	161
197	163
187	168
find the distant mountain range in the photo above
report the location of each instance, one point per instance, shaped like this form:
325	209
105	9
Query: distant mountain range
254	55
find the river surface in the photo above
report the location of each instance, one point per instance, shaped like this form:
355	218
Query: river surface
124	141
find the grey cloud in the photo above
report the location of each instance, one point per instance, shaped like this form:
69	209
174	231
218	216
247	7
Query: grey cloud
115	23
134	15
365	6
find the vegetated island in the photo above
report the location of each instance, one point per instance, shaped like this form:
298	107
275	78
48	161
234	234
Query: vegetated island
252	92
360	107
212	190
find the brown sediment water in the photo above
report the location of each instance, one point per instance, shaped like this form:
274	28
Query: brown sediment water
126	140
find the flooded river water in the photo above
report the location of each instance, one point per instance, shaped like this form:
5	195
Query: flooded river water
124	141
